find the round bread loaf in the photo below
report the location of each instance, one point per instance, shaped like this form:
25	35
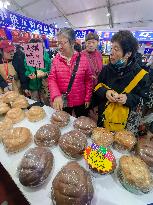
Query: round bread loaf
20	102
5	125
35	166
124	140
10	96
17	139
35	114
134	174
60	118
47	136
145	150
72	185
15	115
85	125
102	137
73	143
4	108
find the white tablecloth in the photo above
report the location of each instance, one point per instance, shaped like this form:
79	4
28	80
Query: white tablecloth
108	190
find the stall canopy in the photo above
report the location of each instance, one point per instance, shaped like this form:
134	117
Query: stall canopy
85	14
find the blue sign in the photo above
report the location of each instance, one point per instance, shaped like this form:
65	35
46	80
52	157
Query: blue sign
13	20
80	34
105	35
144	35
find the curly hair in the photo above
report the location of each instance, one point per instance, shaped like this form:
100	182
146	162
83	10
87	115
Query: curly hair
127	41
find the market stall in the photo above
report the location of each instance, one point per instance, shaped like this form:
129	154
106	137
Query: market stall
108	189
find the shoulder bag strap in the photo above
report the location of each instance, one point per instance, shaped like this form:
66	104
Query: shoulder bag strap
73	74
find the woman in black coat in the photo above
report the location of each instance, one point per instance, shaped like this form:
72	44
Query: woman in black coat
18	64
118	74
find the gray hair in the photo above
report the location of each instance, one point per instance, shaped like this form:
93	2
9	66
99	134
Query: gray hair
68	33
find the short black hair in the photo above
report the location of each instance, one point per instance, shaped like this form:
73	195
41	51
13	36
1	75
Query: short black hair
127	41
77	47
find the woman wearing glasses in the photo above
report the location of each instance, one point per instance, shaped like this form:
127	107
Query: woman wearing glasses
70	93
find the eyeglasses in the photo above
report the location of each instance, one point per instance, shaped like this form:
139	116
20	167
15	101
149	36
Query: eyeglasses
61	43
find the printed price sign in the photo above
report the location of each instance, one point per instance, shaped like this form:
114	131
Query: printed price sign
34	55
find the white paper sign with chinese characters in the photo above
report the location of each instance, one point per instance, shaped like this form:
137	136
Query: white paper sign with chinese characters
34	55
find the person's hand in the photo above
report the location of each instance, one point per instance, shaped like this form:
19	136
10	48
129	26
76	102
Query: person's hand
87	104
111	95
122	98
41	74
6	89
27	92
32	76
58	103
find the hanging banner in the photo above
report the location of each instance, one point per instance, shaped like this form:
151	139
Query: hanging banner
34	55
17	21
80	34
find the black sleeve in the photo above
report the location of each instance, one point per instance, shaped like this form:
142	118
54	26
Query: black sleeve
141	90
3	83
18	64
101	91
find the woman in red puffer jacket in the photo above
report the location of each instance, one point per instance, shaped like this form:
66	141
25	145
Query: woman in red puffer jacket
79	97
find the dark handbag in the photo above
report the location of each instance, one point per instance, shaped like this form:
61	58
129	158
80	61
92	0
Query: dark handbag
64	95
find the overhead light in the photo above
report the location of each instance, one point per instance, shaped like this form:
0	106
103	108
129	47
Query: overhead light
108	14
66	22
55	24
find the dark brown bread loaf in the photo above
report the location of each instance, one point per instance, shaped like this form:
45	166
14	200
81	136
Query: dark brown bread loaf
47	136
72	186
85	125
35	166
73	143
60	118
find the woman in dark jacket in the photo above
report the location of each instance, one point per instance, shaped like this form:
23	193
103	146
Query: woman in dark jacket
18	63
118	74
3	84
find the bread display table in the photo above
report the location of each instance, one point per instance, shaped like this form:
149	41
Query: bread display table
108	190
